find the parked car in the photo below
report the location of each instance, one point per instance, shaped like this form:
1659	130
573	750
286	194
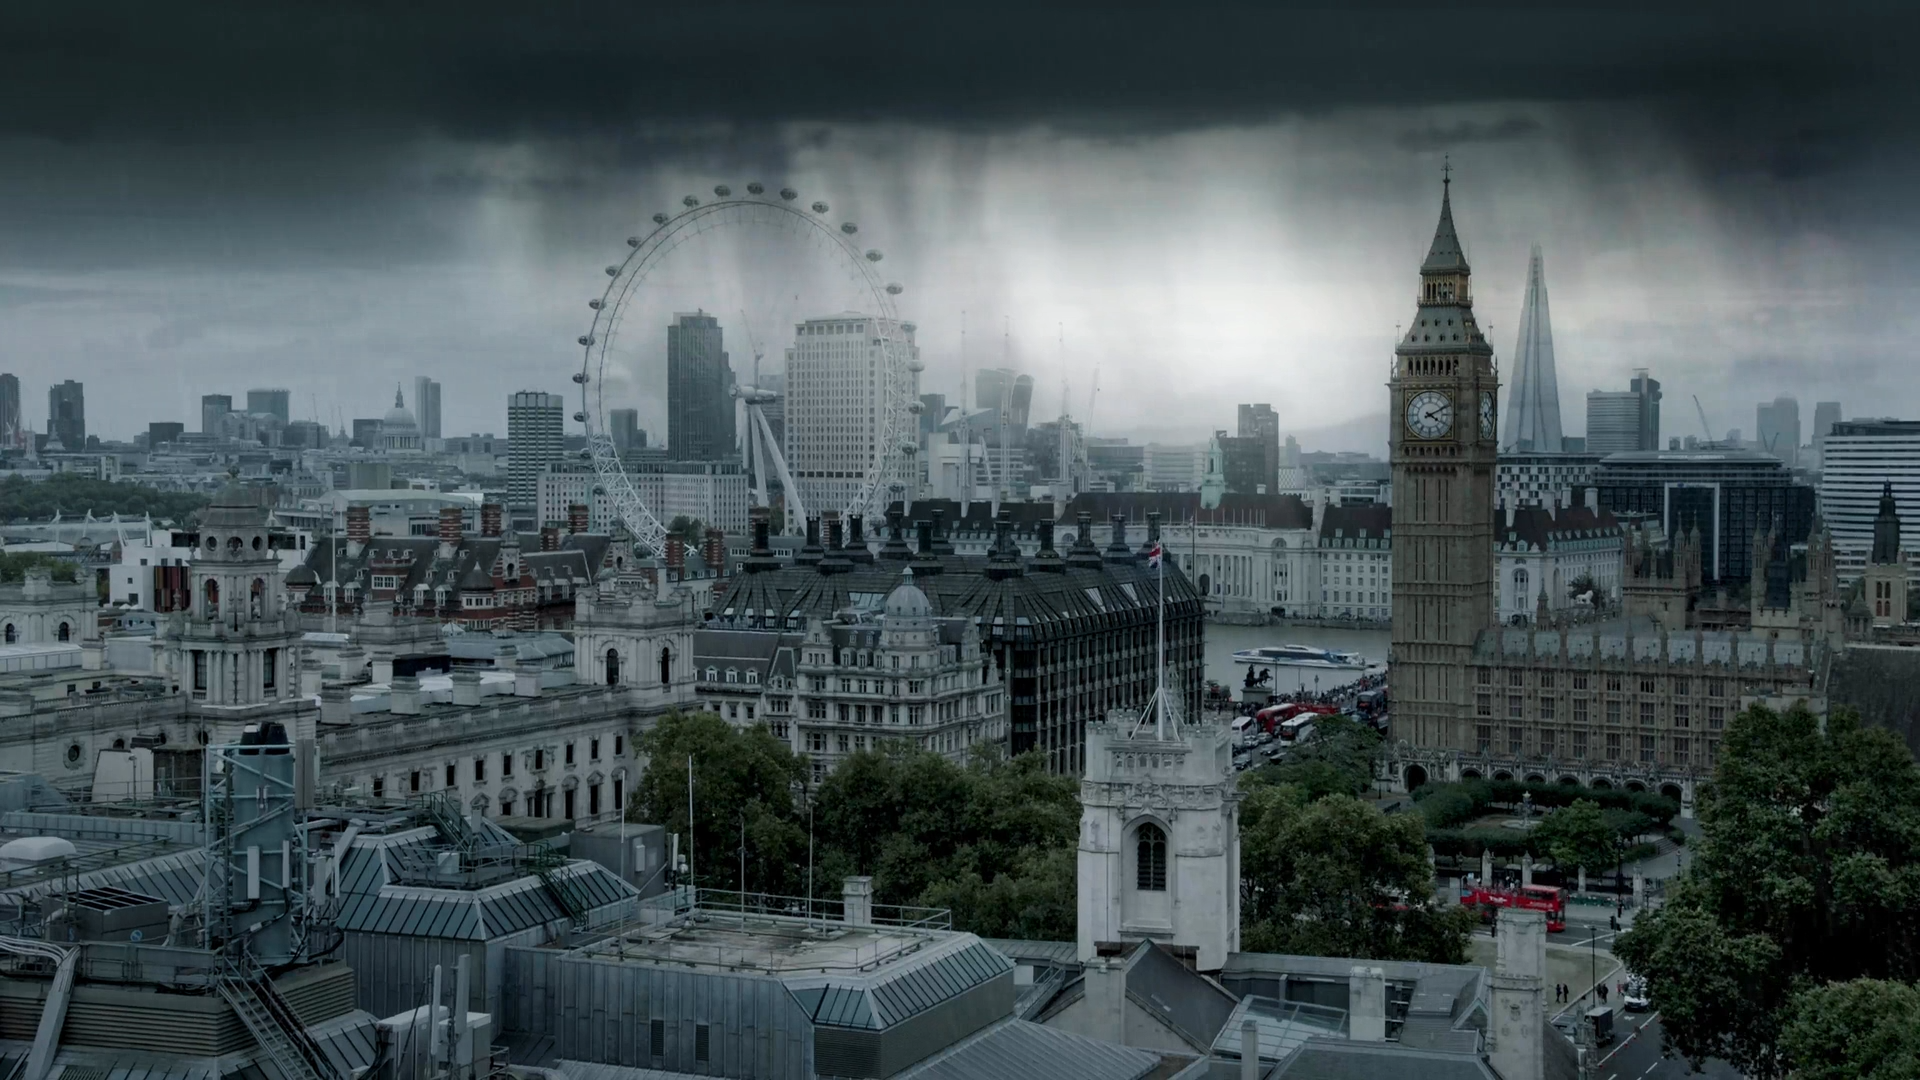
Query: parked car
1636	998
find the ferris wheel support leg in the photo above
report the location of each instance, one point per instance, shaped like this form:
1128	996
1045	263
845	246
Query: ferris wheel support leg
796	522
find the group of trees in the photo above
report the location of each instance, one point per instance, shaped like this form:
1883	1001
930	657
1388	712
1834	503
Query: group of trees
15	564
1581	823
1791	945
76	496
1322	872
992	841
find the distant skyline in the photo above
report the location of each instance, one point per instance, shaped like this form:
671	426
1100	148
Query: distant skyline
1730	210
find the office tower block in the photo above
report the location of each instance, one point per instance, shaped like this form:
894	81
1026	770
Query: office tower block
623	426
162	432
1260	423
1777	426
12	433
834	405
426	406
536	431
67	414
275	403
1624	420
213	412
699	390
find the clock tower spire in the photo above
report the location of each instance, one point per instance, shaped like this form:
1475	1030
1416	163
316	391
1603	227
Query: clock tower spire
1445	399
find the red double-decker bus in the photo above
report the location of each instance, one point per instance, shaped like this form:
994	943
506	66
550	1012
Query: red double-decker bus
1545	898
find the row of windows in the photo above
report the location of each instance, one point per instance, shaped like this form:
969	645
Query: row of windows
1683	685
1647	712
1611	746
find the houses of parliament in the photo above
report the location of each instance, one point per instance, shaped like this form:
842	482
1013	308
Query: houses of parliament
1638	701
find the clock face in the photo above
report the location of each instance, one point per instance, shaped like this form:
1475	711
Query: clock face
1487	425
1429	414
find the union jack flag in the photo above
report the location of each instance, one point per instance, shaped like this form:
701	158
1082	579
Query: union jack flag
1153	557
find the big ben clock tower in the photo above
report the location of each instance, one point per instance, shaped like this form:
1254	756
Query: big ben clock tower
1445	402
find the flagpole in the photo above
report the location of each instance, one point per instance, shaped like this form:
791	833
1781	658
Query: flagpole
1160	636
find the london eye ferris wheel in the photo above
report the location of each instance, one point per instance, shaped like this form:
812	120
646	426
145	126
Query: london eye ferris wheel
779	262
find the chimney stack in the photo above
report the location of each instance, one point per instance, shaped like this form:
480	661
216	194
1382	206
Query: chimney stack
857	548
676	558
1117	550
856	894
490	519
576	518
713	550
549	538
359	524
452	525
810	552
896	545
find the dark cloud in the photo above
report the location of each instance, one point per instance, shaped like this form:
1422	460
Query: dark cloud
1438	137
480	70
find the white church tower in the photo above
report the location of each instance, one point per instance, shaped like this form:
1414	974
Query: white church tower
1160	836
236	646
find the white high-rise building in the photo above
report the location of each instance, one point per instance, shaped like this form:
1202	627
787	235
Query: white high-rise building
1533	405
1858	459
426	406
536	433
834	402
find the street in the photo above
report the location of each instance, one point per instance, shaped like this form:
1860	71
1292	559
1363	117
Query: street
1635	1053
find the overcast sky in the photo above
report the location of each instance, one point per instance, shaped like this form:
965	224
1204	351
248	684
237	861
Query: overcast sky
1212	206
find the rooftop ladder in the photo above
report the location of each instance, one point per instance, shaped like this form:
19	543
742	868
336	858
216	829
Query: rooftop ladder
544	861
285	1044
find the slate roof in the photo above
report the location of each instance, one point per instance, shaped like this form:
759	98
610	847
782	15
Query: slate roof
1614	639
1445	256
1018	1050
1339	1059
1534	528
901	990
1074	599
416	561
1177	508
1882	682
1340	524
1183	999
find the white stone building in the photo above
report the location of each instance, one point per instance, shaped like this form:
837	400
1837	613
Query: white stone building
1548	548
834	402
1159	838
41	611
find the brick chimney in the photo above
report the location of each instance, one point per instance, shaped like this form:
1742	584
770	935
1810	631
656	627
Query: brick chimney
549	538
576	518
713	549
490	519
452	525
359	524
676	559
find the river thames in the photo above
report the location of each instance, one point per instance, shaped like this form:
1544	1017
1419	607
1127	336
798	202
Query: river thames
1224	640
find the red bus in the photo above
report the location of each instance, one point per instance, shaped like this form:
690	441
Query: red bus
1273	716
1545	898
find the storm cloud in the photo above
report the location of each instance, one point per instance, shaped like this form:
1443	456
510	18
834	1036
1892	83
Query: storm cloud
337	197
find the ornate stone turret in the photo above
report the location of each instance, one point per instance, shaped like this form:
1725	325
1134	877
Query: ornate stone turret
1883	585
1160	838
236	644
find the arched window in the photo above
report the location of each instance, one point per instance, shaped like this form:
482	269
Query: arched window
713	674
66	632
258	598
753	677
1520	583
613	667
12	635
213	599
1150	860
666	666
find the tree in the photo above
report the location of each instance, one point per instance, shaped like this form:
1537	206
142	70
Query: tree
1584	585
690	530
1578	835
1335	877
14	566
1807	873
75	496
1338	761
1864	1029
742	778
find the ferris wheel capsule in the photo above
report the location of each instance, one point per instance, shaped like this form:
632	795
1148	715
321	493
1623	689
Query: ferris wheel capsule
914	407
586	339
909	447
894	289
909	327
819	208
849	228
613	271
579	418
595	303
580	377
689	202
789	194
722	190
756	188
633	241
916	366
873	255
659	219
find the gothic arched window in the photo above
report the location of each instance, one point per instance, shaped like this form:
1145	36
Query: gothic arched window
66	632
1150	859
12	634
613	667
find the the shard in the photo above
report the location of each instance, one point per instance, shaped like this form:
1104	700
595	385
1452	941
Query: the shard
1533	405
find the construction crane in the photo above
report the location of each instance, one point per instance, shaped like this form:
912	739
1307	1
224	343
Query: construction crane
1705	428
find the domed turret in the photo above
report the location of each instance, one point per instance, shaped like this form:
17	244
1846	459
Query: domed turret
906	601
